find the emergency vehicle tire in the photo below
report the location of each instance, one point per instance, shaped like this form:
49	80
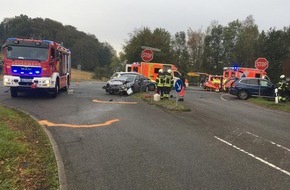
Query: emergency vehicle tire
13	92
243	95
55	91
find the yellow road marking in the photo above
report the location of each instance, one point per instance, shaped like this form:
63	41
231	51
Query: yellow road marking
50	124
113	102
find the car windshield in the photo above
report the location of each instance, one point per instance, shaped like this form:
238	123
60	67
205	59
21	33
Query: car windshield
24	52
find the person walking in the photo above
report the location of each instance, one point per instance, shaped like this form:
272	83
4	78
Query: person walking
160	83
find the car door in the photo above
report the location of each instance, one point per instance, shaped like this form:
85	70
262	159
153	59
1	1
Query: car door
253	86
144	83
267	88
137	83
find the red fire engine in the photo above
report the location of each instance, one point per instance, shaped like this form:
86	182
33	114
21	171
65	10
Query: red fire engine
36	65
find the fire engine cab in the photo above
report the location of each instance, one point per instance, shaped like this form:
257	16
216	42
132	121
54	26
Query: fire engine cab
36	65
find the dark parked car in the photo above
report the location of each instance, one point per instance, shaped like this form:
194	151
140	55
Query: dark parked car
247	87
128	84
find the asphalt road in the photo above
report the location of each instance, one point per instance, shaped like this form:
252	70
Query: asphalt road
117	142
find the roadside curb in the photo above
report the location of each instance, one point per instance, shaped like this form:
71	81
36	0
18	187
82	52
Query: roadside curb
58	158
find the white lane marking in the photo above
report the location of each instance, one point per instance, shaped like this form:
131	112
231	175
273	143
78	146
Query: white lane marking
278	145
253	156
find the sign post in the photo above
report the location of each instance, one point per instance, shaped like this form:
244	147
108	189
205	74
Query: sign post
178	87
147	55
261	64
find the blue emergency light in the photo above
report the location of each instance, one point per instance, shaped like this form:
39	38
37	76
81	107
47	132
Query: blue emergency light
32	71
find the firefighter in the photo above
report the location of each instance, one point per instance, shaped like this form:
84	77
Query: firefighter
182	92
282	88
160	83
216	82
168	83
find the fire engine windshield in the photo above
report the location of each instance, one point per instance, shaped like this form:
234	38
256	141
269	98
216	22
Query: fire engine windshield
25	52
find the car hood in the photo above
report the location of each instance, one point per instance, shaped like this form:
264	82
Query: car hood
119	82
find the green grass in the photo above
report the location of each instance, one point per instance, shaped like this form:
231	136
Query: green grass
167	104
270	104
26	157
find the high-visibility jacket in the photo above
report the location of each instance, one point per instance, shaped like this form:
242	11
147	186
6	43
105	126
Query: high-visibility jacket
282	85
168	80
160	80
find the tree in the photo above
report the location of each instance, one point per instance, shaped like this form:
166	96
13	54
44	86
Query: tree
213	49
195	45
247	43
231	34
180	52
159	39
274	45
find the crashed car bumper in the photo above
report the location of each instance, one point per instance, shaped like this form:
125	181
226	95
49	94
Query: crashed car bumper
118	90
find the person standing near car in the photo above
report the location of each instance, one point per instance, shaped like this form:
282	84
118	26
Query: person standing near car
168	84
282	88
160	83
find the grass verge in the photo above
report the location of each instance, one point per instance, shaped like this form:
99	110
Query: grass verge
26	157
270	104
78	75
167	104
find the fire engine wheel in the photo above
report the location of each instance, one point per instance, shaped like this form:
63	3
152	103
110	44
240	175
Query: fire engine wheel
55	91
13	92
243	95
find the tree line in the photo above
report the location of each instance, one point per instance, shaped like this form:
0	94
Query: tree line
87	50
239	43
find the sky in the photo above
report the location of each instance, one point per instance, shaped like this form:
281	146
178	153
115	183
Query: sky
113	20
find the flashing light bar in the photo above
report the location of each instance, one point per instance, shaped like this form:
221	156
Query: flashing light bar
26	70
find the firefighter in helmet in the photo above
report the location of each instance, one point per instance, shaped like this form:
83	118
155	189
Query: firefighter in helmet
160	83
168	84
282	88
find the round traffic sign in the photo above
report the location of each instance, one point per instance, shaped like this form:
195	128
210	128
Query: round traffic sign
261	63
147	55
178	85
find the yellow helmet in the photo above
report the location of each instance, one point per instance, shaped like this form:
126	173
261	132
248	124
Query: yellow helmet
160	71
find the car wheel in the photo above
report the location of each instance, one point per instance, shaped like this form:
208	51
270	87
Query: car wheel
147	89
151	87
243	95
